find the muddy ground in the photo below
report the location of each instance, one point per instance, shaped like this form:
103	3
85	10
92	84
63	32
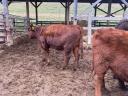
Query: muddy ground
22	73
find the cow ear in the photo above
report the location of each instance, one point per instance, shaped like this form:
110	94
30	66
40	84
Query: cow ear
33	28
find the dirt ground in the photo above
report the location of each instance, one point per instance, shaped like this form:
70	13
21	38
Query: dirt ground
22	73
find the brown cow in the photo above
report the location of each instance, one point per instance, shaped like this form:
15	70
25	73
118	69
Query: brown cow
110	51
59	37
122	25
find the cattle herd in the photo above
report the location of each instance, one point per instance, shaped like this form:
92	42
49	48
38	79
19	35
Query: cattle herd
109	47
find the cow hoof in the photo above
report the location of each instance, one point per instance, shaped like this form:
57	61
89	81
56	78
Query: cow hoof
64	68
74	69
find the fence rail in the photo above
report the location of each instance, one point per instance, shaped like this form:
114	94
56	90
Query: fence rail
50	22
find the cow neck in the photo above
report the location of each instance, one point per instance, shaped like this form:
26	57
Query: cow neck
37	35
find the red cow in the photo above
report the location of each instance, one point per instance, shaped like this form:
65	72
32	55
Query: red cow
123	25
59	37
110	51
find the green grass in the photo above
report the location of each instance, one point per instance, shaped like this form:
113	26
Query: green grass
52	11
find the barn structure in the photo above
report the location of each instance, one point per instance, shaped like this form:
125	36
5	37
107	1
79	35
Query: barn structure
90	14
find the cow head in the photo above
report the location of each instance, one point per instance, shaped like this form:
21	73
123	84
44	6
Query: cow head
31	31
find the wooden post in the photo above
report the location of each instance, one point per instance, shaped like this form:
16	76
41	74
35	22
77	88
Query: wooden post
109	7
95	14
9	39
67	8
75	12
27	13
36	9
109	11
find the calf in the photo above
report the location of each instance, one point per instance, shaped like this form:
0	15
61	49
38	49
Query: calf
110	51
60	37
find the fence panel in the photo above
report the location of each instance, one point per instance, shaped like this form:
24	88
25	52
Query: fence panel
2	29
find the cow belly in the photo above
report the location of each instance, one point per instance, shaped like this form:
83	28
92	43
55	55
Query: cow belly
121	71
55	43
57	47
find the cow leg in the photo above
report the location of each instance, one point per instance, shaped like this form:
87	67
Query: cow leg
38	46
100	70
76	54
100	86
81	50
46	58
67	55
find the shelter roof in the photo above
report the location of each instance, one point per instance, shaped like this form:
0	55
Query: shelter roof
82	1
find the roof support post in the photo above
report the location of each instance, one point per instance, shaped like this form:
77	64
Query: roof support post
90	16
9	39
89	34
75	12
109	8
109	11
95	13
36	9
27	13
67	8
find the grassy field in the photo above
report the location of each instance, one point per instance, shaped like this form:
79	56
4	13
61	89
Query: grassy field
52	11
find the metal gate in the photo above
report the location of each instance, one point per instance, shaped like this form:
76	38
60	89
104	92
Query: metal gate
17	24
2	29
